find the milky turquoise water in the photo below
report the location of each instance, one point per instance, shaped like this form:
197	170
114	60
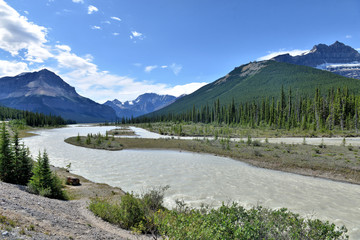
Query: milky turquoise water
202	178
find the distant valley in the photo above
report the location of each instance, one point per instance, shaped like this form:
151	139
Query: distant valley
145	103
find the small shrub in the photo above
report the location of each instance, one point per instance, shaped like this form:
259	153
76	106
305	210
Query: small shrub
322	145
31	227
134	212
256	143
22	231
350	148
317	151
343	143
249	141
258	153
6	221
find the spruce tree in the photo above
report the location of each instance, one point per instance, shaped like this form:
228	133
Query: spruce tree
22	162
25	166
43	181
6	158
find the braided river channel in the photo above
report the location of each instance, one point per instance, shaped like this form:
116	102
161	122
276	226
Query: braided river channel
201	178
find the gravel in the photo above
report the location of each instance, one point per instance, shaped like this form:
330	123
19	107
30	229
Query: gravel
38	217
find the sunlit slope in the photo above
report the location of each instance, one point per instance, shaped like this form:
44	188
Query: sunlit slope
261	79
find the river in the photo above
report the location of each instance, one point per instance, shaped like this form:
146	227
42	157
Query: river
201	178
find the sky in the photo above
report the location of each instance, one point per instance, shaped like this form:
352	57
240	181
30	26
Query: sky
119	49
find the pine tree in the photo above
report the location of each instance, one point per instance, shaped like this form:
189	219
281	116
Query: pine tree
46	174
6	158
43	181
22	162
25	166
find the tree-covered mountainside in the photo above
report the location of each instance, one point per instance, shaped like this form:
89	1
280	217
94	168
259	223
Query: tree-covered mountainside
30	118
257	80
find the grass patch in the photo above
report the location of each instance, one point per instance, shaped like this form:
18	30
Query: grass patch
237	131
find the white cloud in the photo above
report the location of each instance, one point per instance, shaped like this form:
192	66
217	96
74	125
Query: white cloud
116	19
150	68
176	68
182	89
17	33
63	47
78	1
12	68
38	54
26	40
348	36
96	27
71	61
116	34
124	88
136	35
107	22
92	9
26	12
295	52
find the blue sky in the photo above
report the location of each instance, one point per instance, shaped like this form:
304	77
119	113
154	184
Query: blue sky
120	49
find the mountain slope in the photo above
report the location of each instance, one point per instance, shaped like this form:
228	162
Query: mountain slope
338	58
261	79
47	93
143	104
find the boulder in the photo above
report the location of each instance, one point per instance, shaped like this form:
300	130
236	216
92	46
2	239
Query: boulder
73	181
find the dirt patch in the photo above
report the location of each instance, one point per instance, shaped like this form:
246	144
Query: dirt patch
88	189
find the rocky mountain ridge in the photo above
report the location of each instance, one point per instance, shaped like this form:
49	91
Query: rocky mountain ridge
143	104
337	58
46	92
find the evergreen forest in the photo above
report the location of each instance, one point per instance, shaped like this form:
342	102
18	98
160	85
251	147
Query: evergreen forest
335	108
32	119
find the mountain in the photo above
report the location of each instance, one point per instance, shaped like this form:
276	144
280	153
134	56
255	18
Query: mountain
251	82
143	104
45	92
337	58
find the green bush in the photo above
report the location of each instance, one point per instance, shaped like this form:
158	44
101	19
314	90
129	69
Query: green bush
235	222
145	214
134	212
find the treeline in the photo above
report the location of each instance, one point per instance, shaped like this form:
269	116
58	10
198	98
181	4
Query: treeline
336	108
32	119
17	167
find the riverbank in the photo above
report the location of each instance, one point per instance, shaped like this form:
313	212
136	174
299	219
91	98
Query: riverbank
87	189
340	163
27	216
234	131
